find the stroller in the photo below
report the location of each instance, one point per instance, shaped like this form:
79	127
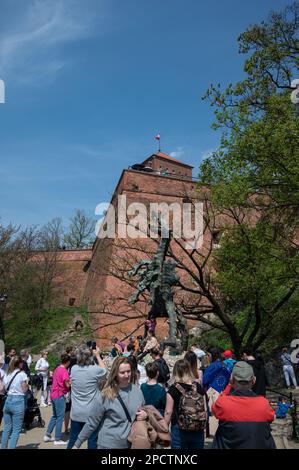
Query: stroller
32	411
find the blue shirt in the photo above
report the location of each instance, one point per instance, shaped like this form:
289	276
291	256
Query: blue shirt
229	363
154	395
286	359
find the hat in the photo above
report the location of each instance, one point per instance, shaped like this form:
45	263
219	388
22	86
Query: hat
227	353
242	372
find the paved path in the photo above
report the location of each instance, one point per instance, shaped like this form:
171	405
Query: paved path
33	438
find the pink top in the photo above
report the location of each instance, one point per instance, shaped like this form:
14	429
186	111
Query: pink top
59	388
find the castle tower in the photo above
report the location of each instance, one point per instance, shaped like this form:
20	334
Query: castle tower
158	179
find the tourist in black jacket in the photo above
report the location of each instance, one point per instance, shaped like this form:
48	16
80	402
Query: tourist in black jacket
259	371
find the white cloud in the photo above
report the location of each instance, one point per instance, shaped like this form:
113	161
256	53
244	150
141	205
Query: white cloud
43	28
178	152
206	153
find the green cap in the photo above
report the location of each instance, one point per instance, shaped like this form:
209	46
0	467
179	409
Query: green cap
242	372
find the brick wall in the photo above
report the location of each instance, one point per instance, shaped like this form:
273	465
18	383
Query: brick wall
106	295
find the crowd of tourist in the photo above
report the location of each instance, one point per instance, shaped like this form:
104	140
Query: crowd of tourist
119	402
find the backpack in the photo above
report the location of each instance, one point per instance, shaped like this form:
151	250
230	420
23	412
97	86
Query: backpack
192	415
164	372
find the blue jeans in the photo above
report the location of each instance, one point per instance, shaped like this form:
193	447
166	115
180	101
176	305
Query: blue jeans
186	439
13	413
56	420
76	427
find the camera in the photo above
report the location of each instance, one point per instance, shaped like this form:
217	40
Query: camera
91	344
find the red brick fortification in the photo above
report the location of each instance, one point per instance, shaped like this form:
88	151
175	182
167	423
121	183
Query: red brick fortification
106	294
70	272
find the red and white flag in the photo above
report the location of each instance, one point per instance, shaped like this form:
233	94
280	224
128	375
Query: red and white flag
157	137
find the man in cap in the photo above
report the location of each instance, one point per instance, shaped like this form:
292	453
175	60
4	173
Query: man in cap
244	417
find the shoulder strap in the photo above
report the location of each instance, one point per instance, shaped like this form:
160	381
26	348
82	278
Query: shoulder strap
290	362
180	389
7	388
124	408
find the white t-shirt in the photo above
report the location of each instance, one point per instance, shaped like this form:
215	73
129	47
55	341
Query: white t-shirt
143	377
29	360
16	385
42	363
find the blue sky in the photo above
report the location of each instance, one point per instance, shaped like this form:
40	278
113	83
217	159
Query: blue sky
90	83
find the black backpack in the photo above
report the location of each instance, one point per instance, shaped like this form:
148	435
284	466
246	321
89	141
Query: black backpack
164	372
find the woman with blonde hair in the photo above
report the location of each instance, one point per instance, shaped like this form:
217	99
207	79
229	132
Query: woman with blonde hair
115	409
16	384
184	383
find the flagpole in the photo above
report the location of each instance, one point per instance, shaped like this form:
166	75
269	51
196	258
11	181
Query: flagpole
158	137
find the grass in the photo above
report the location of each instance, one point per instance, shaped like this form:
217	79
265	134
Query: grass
21	333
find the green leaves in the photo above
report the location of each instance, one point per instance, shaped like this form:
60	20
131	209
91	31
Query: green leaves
254	180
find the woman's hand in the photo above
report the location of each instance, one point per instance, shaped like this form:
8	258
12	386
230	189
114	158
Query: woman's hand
141	415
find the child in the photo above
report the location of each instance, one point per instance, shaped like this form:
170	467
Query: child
282	408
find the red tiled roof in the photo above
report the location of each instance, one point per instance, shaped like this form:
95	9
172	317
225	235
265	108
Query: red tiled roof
167	157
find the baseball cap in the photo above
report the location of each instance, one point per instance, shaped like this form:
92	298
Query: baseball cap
227	353
242	372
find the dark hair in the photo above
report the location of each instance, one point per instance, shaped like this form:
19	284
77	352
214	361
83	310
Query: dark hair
156	352
134	368
216	354
182	371
65	358
151	370
130	347
248	351
191	357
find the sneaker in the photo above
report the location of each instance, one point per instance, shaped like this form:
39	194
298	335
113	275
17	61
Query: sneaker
60	443
43	405
48	438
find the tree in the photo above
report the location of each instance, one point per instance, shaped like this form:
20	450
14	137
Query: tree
16	247
246	285
259	149
256	170
81	231
50	236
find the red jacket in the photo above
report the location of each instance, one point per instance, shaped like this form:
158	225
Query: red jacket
244	421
